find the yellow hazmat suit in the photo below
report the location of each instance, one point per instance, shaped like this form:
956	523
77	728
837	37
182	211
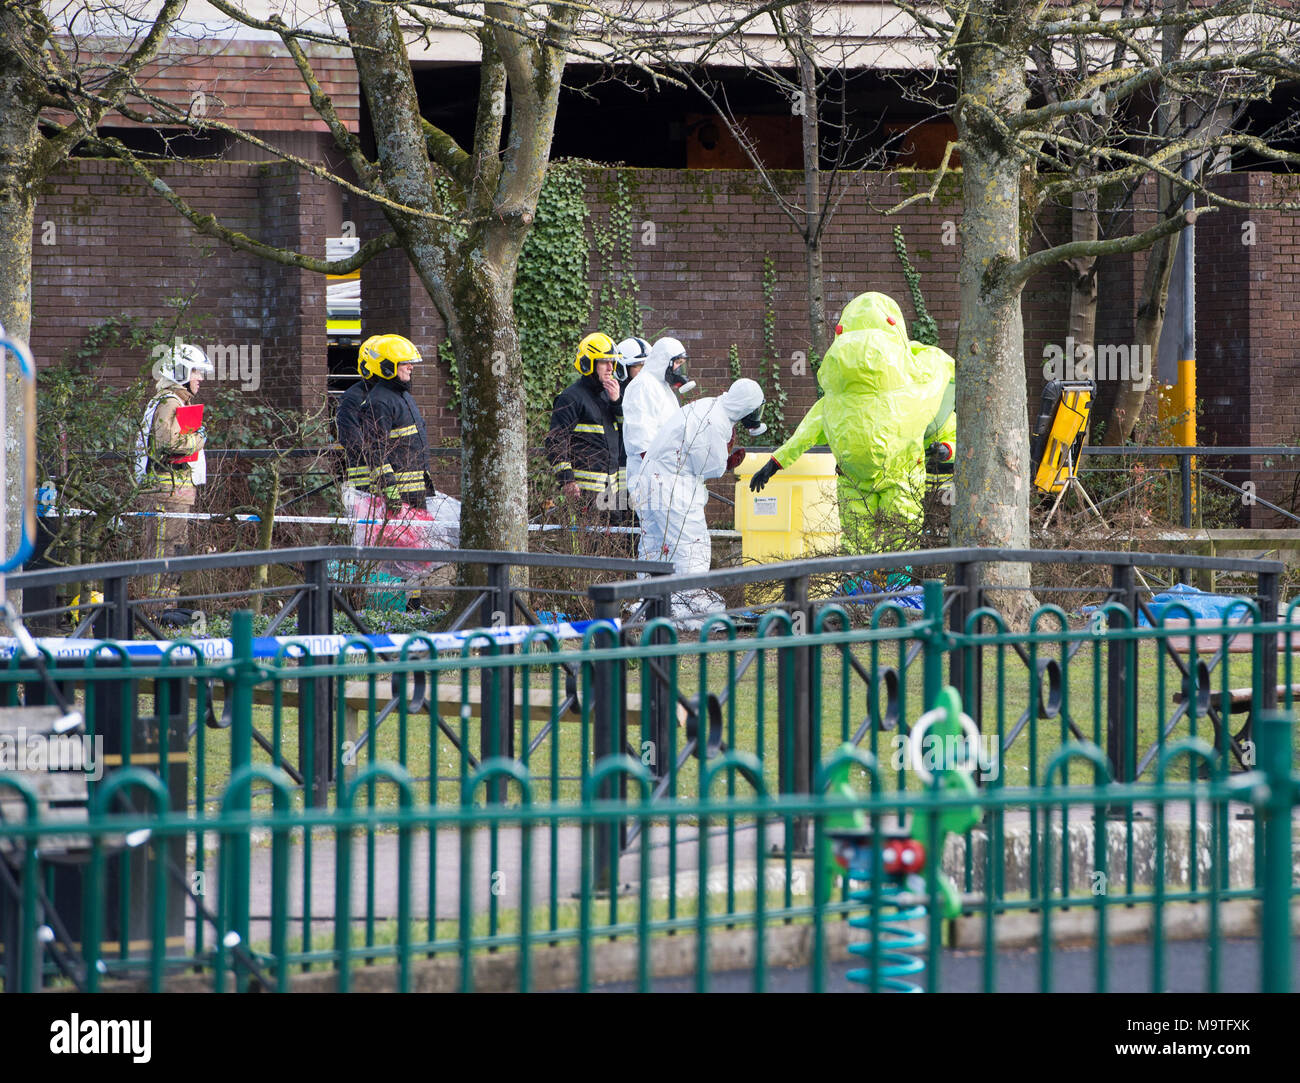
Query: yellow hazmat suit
880	394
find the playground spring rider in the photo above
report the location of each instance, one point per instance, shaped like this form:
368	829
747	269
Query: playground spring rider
902	851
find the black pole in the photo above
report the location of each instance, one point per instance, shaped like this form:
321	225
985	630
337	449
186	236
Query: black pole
1269	587
663	711
316	618
602	743
1119	677
795	717
118	624
497	730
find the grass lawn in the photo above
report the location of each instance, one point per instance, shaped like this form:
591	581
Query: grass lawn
844	712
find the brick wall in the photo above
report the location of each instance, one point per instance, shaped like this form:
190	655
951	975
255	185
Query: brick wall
293	300
702	279
118	251
1247	327
115	251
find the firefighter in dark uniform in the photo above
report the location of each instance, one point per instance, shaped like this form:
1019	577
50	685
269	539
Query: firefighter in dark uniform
386	431
584	442
348	422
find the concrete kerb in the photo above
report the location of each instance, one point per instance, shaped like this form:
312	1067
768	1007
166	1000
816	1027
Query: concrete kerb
555	967
730	950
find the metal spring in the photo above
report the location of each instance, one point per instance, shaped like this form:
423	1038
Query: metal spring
897	942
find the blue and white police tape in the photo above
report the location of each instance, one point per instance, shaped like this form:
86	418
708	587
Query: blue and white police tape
323	520
323	646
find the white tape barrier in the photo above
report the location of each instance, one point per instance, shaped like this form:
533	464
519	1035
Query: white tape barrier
331	520
323	520
324	646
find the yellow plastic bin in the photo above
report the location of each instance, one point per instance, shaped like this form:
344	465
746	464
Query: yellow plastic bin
796	515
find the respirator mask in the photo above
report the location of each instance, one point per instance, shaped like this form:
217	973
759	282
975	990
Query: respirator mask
753	422
676	378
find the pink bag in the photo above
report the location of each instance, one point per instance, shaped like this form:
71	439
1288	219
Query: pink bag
409	528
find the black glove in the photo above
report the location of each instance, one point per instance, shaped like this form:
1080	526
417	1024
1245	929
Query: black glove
764	475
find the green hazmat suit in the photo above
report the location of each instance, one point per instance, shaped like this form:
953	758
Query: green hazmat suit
880	394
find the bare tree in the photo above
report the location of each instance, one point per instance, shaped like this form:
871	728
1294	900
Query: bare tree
1144	119
1016	156
803	52
52	96
460	213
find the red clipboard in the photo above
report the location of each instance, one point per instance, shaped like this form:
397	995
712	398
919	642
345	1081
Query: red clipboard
190	419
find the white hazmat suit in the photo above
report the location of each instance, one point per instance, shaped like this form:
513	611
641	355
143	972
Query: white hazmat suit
648	404
670	494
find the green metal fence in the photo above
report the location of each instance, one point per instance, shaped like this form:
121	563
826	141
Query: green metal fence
460	820
361	949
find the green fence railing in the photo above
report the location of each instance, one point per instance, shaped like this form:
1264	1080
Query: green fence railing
478	805
431	927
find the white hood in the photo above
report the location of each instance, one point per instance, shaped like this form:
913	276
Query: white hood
656	364
648	404
741	399
693	442
664	350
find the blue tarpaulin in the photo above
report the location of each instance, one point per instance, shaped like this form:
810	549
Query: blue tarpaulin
1200	604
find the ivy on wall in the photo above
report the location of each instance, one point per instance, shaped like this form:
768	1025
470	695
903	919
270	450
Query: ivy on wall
769	366
924	329
552	297
619	311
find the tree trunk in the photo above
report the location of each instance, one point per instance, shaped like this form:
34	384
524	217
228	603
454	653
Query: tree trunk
1128	403
992	466
265	532
19	138
1082	326
816	300
1083	271
471	284
494	461
812	179
1130	397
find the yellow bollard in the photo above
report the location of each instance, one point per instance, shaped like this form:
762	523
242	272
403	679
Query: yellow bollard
1177	417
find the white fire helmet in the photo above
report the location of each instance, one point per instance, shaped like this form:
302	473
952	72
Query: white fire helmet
184	360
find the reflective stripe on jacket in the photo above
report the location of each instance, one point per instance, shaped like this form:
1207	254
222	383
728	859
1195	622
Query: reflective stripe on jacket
584	442
391	448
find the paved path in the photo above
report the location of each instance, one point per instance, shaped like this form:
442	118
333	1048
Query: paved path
505	863
1073	971
482	865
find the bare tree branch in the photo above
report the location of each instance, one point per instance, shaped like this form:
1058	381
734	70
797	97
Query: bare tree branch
208	225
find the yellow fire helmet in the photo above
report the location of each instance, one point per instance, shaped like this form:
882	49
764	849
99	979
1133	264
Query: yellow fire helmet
381	354
593	348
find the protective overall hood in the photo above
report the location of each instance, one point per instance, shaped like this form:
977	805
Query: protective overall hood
873	312
864	362
741	399
668	349
656	364
631	351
